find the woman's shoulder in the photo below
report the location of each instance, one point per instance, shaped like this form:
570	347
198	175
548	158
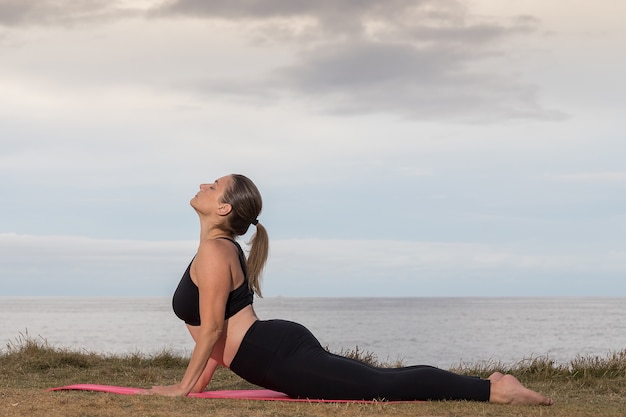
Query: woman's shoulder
222	249
213	262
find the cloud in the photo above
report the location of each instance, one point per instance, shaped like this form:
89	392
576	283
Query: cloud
421	60
60	12
416	83
383	256
69	265
425	20
597	177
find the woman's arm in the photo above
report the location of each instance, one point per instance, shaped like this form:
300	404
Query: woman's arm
212	272
206	376
210	368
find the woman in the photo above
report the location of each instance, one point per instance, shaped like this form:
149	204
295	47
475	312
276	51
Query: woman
215	296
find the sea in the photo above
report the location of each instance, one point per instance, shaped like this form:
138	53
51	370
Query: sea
443	332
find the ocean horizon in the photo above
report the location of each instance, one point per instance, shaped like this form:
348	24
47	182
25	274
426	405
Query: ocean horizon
439	331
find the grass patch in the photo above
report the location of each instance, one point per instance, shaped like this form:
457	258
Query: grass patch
587	386
367	357
611	366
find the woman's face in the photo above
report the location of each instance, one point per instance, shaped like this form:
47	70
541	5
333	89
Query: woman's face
209	198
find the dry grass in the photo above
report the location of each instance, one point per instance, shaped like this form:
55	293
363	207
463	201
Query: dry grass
588	386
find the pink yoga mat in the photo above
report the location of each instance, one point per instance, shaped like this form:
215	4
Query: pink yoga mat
253	394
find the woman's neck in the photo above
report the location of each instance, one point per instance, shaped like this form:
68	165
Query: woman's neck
211	231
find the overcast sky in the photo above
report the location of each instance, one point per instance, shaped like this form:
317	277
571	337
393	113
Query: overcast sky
403	148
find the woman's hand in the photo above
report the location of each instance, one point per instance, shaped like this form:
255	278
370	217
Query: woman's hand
166	390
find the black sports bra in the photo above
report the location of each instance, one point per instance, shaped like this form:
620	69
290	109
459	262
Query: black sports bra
186	299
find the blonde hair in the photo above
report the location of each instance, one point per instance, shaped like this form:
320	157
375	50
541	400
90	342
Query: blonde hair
246	202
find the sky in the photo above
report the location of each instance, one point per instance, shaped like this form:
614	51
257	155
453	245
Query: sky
404	148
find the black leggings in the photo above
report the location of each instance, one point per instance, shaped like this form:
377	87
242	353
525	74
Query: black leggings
286	357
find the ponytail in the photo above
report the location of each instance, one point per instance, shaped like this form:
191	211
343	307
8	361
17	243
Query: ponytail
246	202
259	251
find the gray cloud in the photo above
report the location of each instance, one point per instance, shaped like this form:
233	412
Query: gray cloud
423	83
417	59
57	12
422	20
71	265
285	8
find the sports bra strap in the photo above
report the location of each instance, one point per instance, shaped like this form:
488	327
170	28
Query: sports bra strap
242	257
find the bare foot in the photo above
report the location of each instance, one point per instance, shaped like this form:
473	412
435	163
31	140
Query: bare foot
495	377
508	390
